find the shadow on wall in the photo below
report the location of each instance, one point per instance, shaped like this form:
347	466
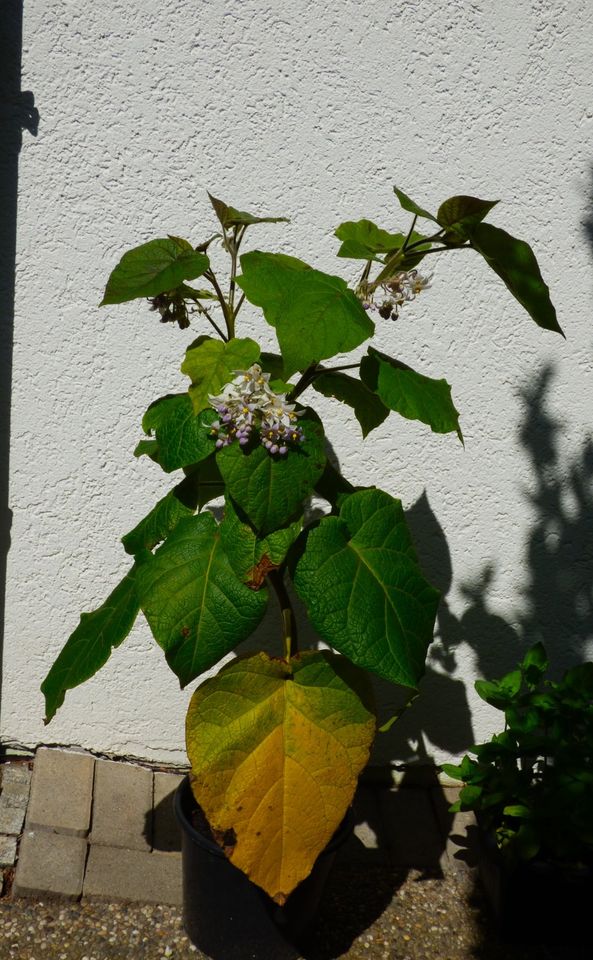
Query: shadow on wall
17	112
557	596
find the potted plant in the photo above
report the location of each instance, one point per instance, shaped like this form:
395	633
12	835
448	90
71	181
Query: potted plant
276	743
532	789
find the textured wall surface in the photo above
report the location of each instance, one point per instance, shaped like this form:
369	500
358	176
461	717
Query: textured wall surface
312	111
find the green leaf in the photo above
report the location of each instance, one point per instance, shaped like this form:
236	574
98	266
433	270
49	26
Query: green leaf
197	609
491	692
469	797
412	207
157	525
315	315
369	409
210	364
152	268
364	240
459	214
90	646
203	482
536	659
332	486
275	763
182	437
270	490
411	394
147	448
250	556
517	810
514	262
364	592
229	217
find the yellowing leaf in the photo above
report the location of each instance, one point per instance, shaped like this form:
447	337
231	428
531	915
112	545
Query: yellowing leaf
276	748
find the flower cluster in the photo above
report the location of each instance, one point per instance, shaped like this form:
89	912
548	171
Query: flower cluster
247	406
394	292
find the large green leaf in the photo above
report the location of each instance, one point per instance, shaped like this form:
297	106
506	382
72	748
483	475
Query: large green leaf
369	409
211	364
514	262
182	437
364	240
202	484
411	394
275	763
156	525
458	214
270	489
407	204
229	217
153	268
250	556
90	646
315	315
197	609
364	592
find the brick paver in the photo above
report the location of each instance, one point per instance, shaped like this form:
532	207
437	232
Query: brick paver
50	864
132	849
412	834
116	874
61	792
122	805
166	833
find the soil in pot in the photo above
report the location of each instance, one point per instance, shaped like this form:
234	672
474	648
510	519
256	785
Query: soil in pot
226	915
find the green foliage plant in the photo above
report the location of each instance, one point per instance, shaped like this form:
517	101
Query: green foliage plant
532	784
276	743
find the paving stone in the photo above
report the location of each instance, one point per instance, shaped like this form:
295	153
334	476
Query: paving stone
122	805
442	798
50	864
15	773
166	833
462	849
412	833
61	792
113	873
11	817
367	843
7	851
15	794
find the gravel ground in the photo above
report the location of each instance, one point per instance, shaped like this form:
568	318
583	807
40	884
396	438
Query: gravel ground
376	913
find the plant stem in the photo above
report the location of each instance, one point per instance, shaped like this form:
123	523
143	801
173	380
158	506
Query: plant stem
275	579
234	249
202	309
410	232
306	379
229	320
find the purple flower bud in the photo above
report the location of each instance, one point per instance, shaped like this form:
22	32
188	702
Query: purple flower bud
283	450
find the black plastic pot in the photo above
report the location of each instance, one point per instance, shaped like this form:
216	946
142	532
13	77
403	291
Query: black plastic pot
228	917
537	902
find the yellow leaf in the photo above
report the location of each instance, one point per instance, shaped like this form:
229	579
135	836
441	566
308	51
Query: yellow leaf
276	749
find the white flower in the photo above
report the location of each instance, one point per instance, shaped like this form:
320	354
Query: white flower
248	403
402	287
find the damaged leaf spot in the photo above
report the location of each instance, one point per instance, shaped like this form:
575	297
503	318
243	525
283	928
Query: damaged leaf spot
256	576
227	839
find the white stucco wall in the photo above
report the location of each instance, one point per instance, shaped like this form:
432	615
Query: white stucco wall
312	111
